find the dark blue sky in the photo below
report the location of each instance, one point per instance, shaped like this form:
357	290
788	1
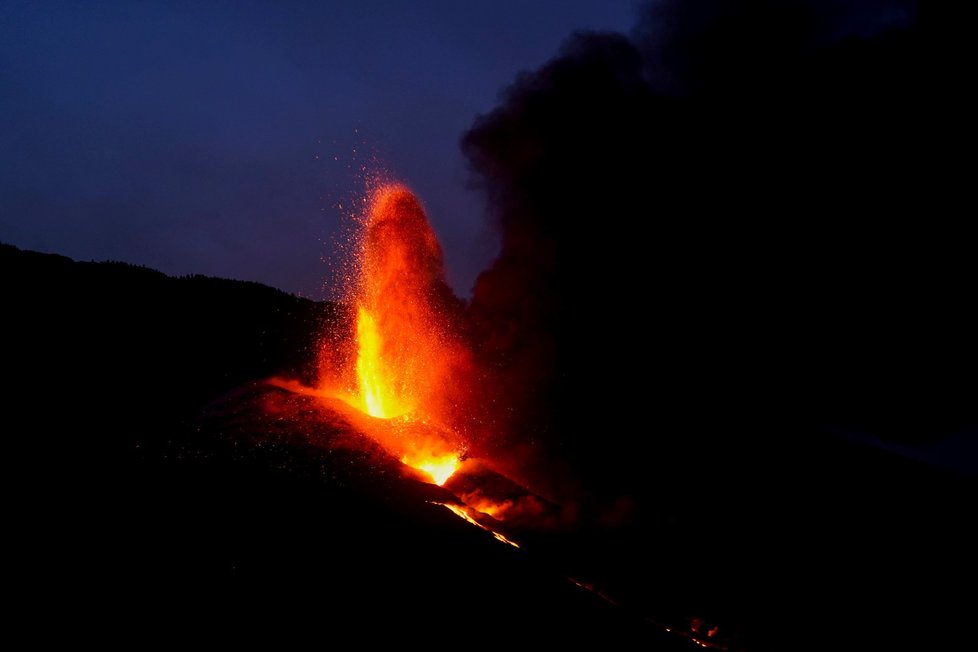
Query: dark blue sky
221	137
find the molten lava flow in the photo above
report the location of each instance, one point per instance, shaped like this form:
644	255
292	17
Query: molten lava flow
462	512
406	358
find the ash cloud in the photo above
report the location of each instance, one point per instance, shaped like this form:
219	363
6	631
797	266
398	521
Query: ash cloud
736	217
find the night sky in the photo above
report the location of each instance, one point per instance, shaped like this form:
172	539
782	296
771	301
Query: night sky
227	139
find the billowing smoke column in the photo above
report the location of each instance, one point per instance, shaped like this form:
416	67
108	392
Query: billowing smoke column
698	230
720	237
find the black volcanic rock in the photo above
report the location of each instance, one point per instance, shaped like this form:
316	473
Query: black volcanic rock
158	484
156	481
371	535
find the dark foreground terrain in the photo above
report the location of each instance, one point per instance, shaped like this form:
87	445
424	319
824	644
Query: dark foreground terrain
157	488
155	483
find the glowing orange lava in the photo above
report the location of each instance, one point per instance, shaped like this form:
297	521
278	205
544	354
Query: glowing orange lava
439	468
378	399
405	355
462	512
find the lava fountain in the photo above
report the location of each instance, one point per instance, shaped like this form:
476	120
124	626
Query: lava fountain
406	355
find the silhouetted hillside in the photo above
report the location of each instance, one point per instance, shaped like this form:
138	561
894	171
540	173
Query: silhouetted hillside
185	337
105	365
107	356
148	467
157	485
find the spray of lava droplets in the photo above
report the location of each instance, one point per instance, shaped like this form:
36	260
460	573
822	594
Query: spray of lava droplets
405	356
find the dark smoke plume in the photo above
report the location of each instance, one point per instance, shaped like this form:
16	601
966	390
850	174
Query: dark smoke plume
737	217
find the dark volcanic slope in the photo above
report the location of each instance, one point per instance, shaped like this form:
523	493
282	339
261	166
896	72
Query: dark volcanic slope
320	515
168	339
154	481
155	486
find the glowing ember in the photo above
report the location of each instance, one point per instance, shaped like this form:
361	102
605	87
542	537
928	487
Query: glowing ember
405	358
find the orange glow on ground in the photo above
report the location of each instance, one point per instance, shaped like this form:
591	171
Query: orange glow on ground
405	358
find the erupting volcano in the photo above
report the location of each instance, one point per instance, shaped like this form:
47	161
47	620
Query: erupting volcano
406	355
396	393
